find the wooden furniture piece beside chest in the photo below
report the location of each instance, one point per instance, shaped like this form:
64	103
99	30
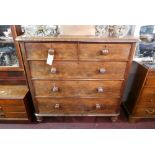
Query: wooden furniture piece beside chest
11	65
14	104
87	77
14	93
141	99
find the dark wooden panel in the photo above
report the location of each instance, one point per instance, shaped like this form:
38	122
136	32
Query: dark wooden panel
12	77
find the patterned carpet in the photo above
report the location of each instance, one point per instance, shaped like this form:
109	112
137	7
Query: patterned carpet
83	123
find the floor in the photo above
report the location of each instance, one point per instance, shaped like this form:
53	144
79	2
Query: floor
84	123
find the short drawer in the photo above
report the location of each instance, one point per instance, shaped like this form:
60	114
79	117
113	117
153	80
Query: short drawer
61	50
77	88
78	106
13	115
150	82
11	102
104	51
148	93
12	108
147	111
78	70
143	102
151	74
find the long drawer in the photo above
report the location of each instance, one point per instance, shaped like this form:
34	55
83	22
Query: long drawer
77	88
99	51
77	106
78	70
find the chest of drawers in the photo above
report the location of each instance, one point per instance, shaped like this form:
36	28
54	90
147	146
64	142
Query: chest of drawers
141	99
86	78
14	103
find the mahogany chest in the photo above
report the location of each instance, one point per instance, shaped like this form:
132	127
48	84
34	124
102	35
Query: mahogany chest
141	99
14	103
87	76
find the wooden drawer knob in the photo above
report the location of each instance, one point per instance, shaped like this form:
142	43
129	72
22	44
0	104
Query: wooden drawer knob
104	52
53	70
55	89
57	106
150	111
51	51
2	115
100	90
102	70
98	106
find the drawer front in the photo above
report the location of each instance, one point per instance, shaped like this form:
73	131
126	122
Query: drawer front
78	106
11	102
150	82
74	69
61	50
13	115
151	74
12	108
78	88
147	111
148	94
104	51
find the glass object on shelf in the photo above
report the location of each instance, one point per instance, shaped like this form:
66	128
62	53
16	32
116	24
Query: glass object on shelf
113	30
8	55
146	46
40	30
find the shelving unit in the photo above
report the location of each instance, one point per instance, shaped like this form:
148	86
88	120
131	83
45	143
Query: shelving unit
13	73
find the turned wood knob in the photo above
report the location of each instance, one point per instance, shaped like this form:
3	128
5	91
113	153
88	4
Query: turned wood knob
102	70
150	111
53	70
55	89
57	106
98	106
104	52
100	90
2	115
51	51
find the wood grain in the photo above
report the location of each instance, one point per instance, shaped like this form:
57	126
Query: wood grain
77	88
81	106
78	70
93	51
